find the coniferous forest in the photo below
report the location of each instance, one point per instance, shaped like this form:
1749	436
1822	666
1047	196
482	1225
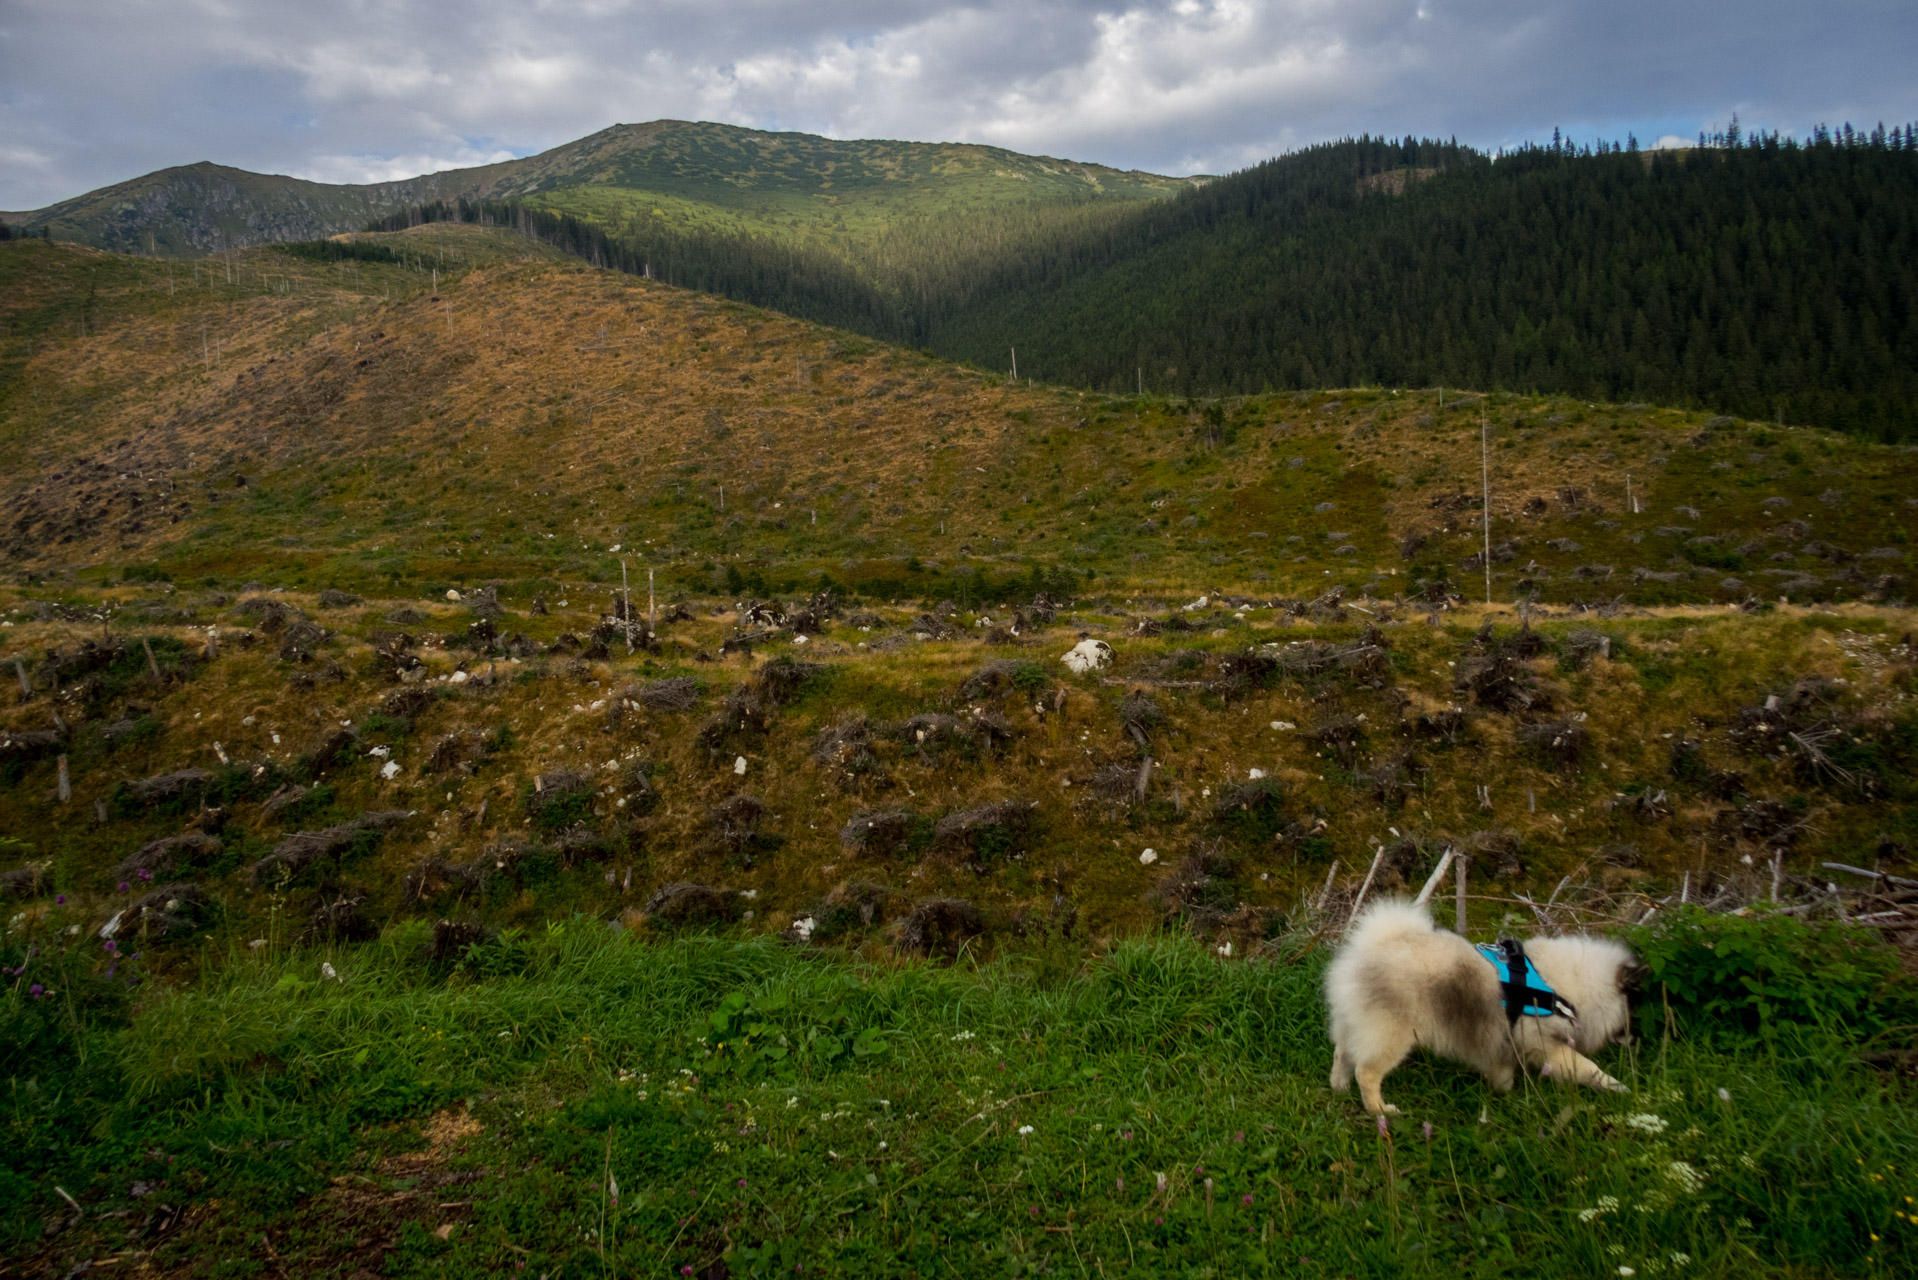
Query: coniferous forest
1757	276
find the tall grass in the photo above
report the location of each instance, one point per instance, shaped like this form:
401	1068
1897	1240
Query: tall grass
913	1119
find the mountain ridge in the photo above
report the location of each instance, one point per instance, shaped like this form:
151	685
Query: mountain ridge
206	207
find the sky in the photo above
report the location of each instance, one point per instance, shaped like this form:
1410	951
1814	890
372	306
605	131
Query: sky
97	91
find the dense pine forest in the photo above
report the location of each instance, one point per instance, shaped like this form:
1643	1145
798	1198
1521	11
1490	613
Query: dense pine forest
1751	275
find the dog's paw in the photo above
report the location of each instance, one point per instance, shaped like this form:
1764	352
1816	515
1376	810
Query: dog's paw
1388	1110
1618	1087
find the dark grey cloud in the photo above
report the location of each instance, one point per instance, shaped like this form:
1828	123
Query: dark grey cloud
93	91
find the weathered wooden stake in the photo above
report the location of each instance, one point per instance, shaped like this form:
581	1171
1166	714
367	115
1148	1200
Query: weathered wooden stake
26	685
212	644
100	812
66	787
1366	884
626	607
652	607
1326	892
1458	908
1144	780
1438	874
153	664
1485	492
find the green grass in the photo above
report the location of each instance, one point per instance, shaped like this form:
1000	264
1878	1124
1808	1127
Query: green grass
1011	1119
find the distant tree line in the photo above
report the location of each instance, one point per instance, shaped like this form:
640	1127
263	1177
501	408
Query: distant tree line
1754	274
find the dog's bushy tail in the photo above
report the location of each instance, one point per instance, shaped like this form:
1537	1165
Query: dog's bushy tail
1387	919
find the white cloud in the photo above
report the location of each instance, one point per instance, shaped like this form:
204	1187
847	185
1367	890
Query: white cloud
93	91
367	169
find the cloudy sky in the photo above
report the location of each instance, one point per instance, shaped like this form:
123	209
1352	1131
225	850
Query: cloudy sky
95	91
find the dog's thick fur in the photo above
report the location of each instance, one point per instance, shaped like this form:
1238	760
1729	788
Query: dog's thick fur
1399	983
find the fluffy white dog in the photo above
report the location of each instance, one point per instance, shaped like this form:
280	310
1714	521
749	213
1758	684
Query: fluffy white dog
1400	983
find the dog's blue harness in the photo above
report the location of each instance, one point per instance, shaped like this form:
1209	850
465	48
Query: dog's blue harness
1522	989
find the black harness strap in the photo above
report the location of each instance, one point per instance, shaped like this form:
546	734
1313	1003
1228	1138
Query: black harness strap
1520	996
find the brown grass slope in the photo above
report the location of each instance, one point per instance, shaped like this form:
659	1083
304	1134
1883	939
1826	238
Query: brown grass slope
361	444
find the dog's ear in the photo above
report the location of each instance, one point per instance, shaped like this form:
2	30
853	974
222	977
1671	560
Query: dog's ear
1632	977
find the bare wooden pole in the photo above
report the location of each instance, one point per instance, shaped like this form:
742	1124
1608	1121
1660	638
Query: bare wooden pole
1458	908
1485	491
626	607
66	786
1366	884
1330	872
152	664
1438	874
26	685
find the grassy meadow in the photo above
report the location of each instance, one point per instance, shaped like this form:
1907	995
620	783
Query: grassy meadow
574	1102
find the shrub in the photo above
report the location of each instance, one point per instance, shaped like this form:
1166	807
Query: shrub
1729	976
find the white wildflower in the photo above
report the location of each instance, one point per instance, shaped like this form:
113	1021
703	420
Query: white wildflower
1681	1259
1724	1095
965	1035
1685	1177
1024	1129
1645	1122
803	927
328	972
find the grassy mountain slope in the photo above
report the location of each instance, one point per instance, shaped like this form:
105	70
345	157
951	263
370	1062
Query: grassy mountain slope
252	714
686	174
536	412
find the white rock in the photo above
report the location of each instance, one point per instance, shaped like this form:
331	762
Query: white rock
452	594
1255	774
381	752
799	639
739	766
112	926
1088	655
458	677
803	927
1149	857
390	770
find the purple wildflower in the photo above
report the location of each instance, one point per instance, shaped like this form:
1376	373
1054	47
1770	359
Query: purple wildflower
36	990
112	946
1384	1128
59	899
123	886
1246	1199
1427	1127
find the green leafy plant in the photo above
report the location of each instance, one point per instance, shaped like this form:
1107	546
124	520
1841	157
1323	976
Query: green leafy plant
1724	977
